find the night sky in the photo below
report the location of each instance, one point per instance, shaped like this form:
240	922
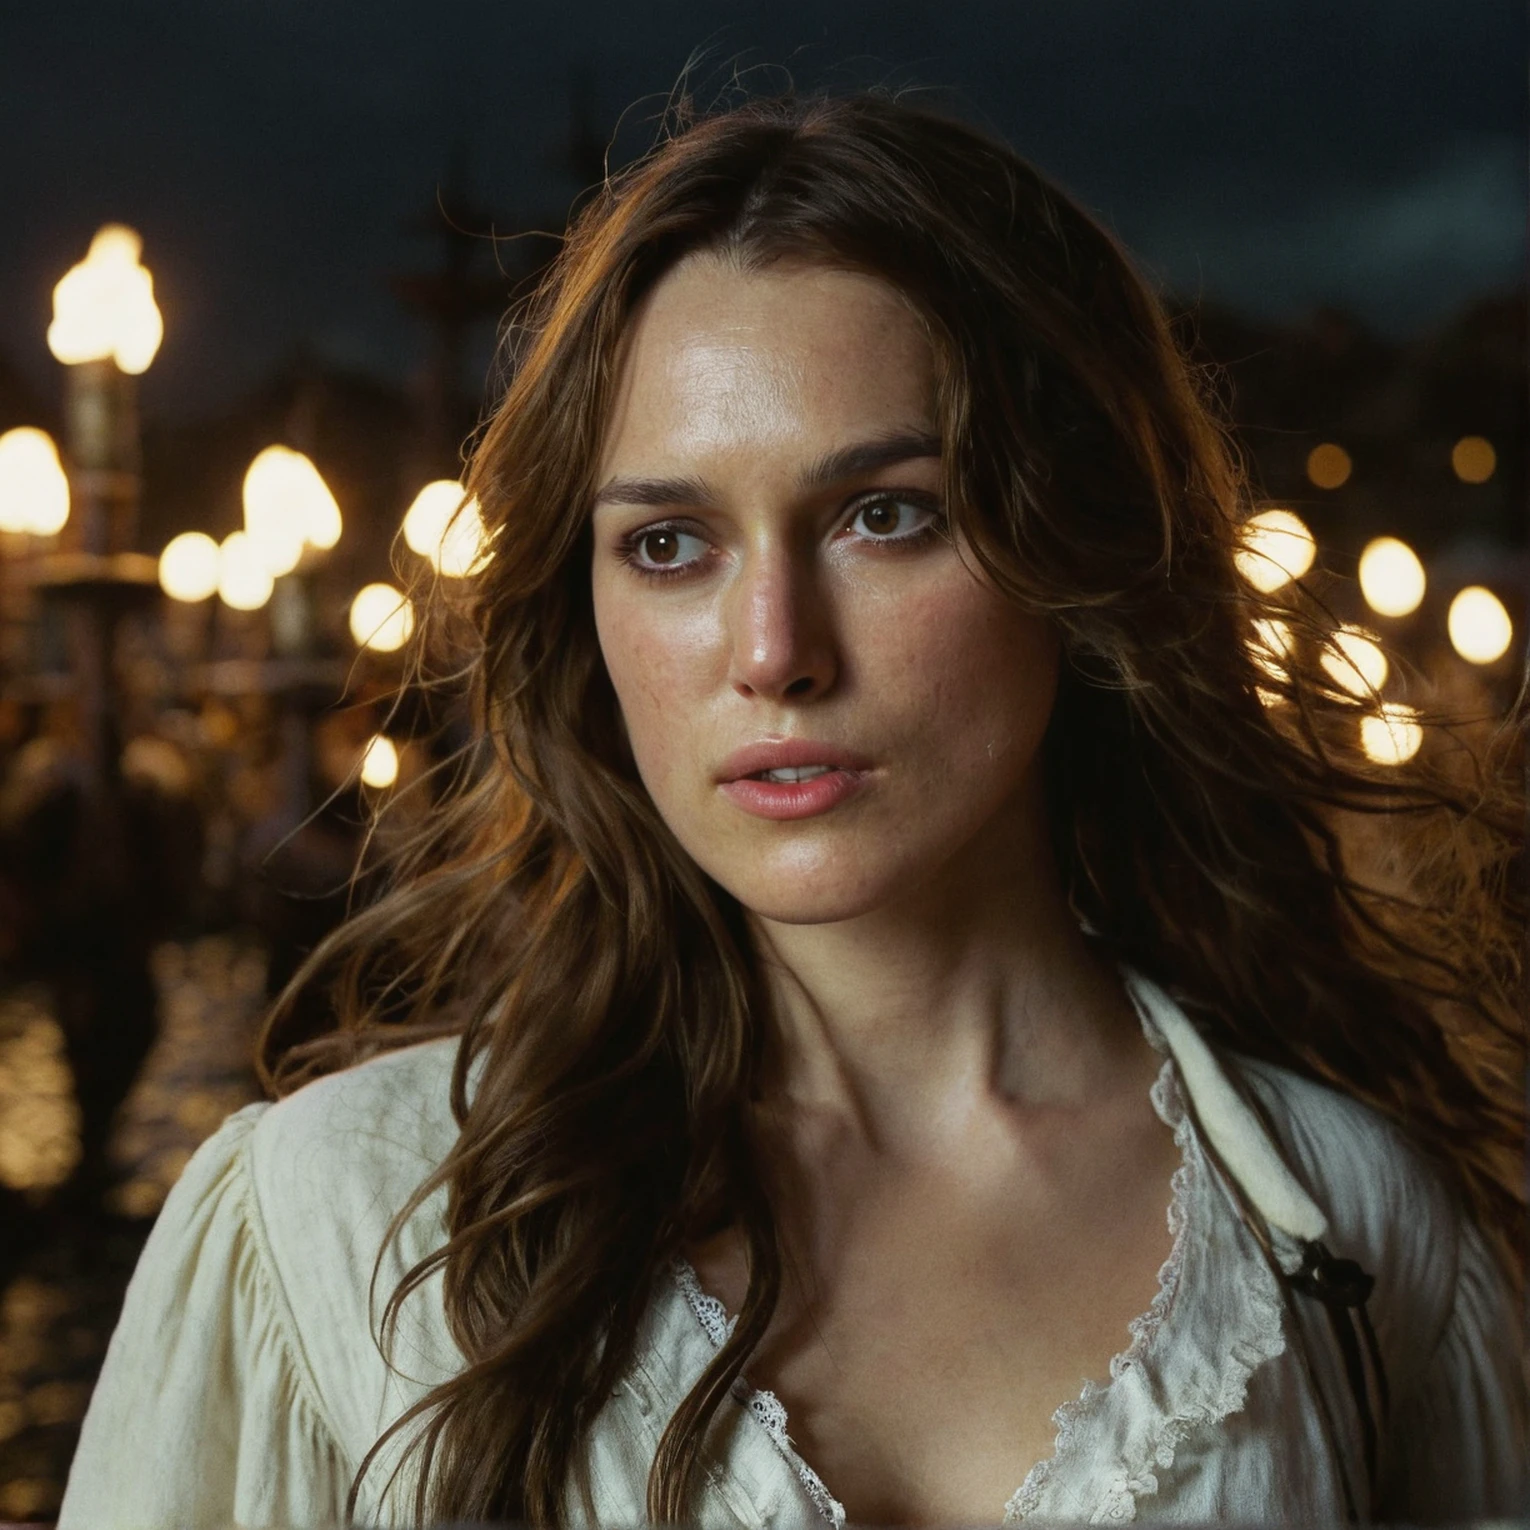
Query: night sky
1270	153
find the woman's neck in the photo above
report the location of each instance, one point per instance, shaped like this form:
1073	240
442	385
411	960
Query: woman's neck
977	993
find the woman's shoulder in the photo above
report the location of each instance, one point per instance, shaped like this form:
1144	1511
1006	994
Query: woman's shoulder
1446	1314
1388	1205
354	1144
1346	1150
331	1164
368	1128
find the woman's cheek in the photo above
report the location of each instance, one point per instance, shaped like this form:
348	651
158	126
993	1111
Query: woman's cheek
657	669
990	682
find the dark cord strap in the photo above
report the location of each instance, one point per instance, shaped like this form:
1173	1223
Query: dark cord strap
1378	1370
1343	1288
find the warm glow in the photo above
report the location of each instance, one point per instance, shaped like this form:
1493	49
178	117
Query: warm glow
1277	548
34	489
381	618
1391	577
321	515
1354	660
105	306
379	762
244	581
287	503
1474	459
446	529
1392	736
1272	643
426	519
1328	466
464	548
272	517
1480	629
189	567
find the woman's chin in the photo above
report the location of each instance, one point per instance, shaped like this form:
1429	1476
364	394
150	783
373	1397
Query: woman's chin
805	899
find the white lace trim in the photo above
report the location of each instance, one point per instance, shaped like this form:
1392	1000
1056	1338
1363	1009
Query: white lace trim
1135	1475
1142	1329
765	1408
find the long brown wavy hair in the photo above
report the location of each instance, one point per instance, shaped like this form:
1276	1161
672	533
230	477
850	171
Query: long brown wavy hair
1212	815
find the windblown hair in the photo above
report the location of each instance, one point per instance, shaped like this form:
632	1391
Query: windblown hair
1213	818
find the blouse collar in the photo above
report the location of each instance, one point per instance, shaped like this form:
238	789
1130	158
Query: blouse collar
1230	1126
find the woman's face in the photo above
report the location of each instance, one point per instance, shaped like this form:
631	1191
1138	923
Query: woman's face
768	570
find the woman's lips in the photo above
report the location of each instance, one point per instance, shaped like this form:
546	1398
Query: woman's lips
794	799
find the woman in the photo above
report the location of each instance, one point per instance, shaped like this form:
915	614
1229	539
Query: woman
883	771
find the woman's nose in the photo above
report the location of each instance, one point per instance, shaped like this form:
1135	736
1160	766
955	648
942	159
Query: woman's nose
781	631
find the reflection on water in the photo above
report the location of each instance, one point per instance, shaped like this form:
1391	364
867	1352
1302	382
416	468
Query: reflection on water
198	1074
61	1281
39	1120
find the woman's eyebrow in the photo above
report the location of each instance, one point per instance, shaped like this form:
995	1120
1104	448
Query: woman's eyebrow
842	462
868	456
654	491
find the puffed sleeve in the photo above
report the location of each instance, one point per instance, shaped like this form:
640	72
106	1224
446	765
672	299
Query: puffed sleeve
205	1414
1460	1449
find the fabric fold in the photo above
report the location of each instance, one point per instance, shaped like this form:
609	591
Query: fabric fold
203	1413
1477	1373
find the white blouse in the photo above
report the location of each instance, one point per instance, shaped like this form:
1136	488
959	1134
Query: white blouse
244	1384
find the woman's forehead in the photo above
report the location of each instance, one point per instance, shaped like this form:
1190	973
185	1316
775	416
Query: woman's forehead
721	358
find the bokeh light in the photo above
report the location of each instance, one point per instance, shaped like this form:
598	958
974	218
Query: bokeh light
1277	548
1329	466
379	762
105	305
446	529
244	581
273	519
1479	626
381	618
1392	579
1473	459
34	488
1392	735
426	519
189	567
287	504
1355	662
321	514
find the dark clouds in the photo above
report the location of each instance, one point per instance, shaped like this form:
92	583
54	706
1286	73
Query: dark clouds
1275	153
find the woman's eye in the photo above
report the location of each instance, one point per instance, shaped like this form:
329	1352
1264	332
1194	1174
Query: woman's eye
890	520
662	548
